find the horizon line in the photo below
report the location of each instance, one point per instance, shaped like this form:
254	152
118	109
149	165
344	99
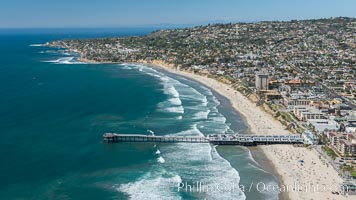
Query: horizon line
173	25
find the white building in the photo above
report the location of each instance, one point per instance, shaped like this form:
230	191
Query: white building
304	113
350	129
309	138
320	125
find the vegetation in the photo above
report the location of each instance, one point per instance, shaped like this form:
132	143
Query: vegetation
329	151
286	116
353	173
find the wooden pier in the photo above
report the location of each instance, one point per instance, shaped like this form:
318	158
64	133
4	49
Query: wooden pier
218	139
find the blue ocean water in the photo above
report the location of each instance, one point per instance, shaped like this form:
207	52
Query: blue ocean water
54	110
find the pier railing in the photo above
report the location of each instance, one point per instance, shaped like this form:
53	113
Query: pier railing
218	139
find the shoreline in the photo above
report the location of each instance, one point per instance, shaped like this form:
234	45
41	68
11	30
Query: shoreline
261	158
257	153
282	160
311	180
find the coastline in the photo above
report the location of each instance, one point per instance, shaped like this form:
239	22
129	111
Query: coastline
311	180
257	153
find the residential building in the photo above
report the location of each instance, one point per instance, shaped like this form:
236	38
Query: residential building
334	137
290	103
343	143
304	113
261	81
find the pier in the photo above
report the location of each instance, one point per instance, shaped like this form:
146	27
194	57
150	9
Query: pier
218	139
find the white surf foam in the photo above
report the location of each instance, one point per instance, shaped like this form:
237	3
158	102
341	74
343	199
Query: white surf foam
175	101
173	104
213	168
126	67
51	52
158	152
204	101
220	119
152	186
175	109
202	162
151	132
60	60
193	131
201	115
161	159
177	179
36	45
172	91
198	162
65	60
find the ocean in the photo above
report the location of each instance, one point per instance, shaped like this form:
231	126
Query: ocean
55	109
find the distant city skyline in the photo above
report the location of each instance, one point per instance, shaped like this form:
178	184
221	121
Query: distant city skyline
138	13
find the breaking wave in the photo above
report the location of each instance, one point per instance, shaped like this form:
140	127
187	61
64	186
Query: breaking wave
36	45
161	159
66	60
186	162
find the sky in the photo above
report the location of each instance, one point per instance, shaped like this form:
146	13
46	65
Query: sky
138	13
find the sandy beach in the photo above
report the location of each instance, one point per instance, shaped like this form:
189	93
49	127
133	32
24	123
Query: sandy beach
309	180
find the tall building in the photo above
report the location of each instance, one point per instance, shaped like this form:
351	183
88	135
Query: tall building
261	81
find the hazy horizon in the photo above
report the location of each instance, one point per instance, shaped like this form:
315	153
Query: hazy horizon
165	25
139	13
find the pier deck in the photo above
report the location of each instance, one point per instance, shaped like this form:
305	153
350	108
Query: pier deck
218	139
